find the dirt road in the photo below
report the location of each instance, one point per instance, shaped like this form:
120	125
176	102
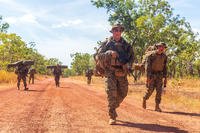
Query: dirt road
76	107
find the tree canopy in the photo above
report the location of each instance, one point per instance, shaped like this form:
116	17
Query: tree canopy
148	22
13	48
81	62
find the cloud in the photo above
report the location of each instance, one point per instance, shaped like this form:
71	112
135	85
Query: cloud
61	47
181	3
27	18
69	23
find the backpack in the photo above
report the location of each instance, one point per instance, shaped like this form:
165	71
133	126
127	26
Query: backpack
99	69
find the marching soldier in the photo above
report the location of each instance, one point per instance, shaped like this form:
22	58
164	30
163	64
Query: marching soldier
156	73
21	71
57	73
117	56
88	74
32	73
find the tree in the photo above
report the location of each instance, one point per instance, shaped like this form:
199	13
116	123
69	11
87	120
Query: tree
13	49
81	62
148	22
3	26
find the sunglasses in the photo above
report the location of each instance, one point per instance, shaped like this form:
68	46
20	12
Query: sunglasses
117	30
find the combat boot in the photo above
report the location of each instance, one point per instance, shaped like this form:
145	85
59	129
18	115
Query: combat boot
144	104
157	108
112	121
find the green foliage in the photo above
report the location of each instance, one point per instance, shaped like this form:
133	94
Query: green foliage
13	49
81	62
3	26
148	22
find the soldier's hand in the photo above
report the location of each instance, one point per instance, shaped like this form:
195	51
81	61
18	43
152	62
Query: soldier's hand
114	54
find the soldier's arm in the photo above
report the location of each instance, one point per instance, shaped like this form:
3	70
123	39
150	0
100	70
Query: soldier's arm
149	66
165	72
131	56
165	68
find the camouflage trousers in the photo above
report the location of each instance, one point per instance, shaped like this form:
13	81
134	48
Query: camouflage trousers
89	78
23	77
156	83
31	77
116	89
57	80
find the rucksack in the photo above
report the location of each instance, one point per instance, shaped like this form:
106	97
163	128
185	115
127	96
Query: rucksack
99	69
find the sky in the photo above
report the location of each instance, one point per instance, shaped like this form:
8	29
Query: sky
63	27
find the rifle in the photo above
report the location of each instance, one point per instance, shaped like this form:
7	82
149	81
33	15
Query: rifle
22	62
15	64
54	66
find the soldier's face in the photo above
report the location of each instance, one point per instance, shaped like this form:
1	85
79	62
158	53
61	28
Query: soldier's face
117	33
161	49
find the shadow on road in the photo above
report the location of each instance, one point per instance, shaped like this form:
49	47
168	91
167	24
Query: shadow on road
150	127
35	90
182	113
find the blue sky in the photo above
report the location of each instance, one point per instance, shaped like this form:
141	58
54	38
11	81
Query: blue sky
63	27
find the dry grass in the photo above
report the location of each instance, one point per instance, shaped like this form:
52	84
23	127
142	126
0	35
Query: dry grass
181	94
10	78
7	77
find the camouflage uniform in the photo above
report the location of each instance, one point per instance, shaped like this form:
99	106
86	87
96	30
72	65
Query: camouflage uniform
31	77
57	72
156	71
89	74
150	50
116	71
22	71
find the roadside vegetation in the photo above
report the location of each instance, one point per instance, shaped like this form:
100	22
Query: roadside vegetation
180	95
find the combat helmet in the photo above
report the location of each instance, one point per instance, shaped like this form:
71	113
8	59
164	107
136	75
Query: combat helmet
117	26
161	44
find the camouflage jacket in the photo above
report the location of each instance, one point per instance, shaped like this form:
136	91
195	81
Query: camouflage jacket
157	64
22	70
32	72
89	73
124	50
57	71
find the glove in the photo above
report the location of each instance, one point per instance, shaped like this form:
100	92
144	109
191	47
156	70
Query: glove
165	82
114	54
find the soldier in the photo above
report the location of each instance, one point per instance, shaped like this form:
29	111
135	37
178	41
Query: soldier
57	72
32	73
88	74
118	57
156	72
21	71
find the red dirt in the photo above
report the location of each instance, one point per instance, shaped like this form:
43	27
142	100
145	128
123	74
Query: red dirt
76	107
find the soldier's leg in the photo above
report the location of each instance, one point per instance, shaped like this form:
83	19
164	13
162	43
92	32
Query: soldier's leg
158	93
89	79
33	79
122	89
148	93
55	78
18	81
24	81
111	90
29	81
58	81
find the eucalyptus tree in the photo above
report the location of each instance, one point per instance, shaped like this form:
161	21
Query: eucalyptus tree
147	22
